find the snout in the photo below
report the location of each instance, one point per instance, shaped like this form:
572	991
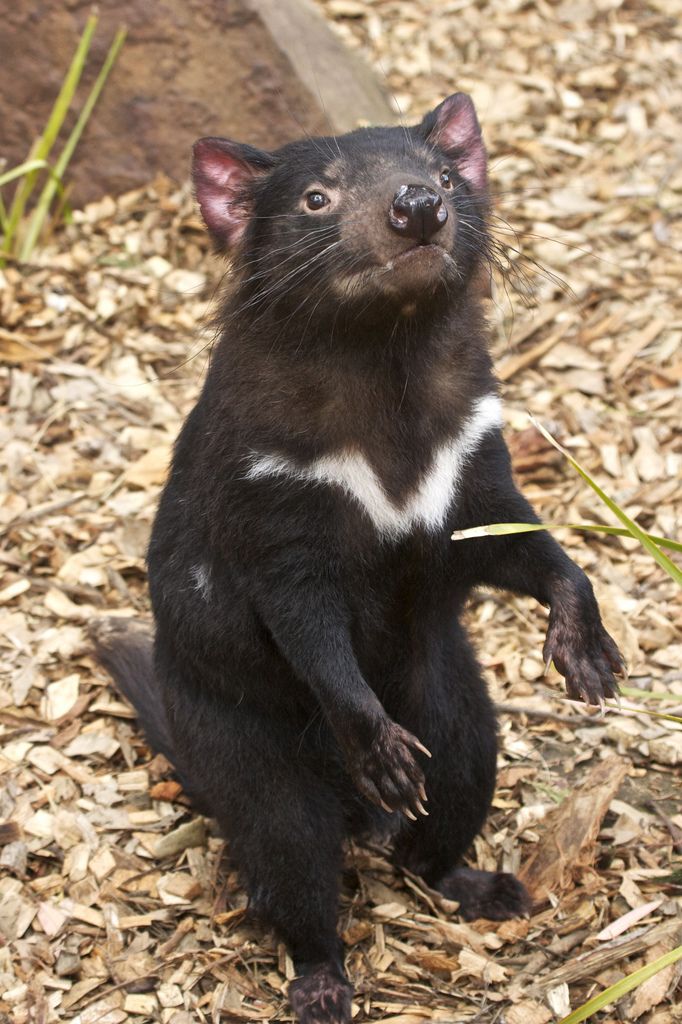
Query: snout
417	212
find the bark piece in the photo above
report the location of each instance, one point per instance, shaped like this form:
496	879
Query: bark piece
193	833
569	835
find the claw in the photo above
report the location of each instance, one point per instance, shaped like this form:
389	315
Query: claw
548	664
422	810
390	776
421	789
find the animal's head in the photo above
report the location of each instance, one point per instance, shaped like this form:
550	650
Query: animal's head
383	217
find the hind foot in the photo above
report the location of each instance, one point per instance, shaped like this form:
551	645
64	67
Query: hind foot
321	997
492	894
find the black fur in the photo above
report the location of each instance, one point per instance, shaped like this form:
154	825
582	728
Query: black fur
302	661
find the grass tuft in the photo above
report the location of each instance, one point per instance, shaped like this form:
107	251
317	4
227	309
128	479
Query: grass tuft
20	232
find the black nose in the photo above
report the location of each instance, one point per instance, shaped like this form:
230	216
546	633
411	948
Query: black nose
417	212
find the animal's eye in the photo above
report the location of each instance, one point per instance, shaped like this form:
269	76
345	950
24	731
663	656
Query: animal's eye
316	200
445	179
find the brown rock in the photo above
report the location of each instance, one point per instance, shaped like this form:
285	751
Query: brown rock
262	71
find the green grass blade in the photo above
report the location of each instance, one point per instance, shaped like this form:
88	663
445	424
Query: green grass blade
21	196
503	529
644	711
630	525
615	992
633	691
59	189
41	148
42	208
16	172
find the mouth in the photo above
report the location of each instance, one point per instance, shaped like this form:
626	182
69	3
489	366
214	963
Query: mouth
415	271
419	251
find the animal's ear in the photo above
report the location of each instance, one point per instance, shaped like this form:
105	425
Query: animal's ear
454	128
222	173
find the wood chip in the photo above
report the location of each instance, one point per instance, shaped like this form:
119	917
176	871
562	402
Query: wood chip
638	343
193	833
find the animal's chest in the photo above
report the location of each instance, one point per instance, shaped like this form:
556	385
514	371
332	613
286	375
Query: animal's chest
428	502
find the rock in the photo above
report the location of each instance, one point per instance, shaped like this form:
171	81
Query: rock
262	71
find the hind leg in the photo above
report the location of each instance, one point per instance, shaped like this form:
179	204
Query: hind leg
458	727
285	828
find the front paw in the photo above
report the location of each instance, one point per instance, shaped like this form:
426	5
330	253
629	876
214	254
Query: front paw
387	772
584	653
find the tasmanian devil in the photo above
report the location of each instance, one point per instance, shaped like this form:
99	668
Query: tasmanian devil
311	679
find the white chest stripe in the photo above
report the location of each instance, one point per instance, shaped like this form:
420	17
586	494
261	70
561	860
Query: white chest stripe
426	506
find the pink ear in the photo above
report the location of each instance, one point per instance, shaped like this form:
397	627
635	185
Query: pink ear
221	173
456	130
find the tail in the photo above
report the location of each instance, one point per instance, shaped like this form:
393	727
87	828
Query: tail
125	649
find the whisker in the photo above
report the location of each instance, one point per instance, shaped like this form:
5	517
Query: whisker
522	233
279	285
295	248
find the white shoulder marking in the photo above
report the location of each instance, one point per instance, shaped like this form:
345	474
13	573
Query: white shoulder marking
427	506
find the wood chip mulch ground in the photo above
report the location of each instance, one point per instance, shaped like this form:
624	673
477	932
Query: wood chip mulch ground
116	902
